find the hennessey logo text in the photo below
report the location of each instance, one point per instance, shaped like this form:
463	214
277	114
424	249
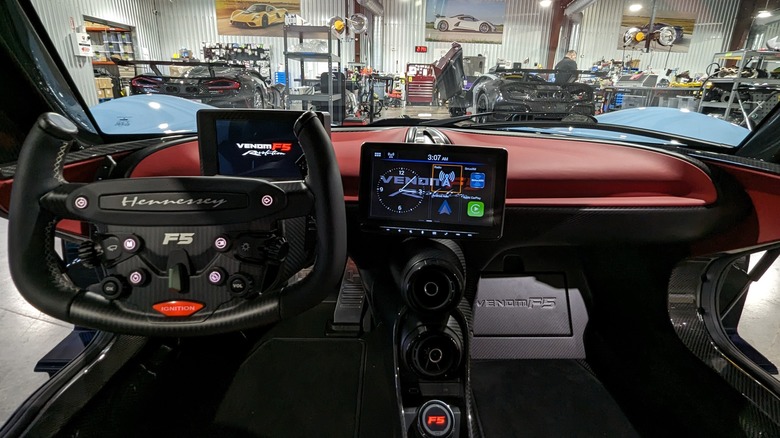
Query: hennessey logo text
133	201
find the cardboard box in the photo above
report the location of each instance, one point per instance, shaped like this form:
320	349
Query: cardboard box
103	83
179	71
126	71
108	92
100	94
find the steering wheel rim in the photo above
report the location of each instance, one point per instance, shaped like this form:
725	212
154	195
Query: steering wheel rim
41	197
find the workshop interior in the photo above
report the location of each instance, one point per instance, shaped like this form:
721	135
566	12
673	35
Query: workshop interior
390	218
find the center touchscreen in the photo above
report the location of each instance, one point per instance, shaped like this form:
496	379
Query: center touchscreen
433	191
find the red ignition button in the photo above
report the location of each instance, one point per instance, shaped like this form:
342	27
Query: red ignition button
177	308
435	420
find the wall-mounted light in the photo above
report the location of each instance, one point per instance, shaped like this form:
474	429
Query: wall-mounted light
545	3
357	23
636	7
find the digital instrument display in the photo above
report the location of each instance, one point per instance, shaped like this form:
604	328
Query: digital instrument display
251	143
433	191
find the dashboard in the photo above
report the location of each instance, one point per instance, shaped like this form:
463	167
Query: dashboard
436	218
540	172
558	191
554	180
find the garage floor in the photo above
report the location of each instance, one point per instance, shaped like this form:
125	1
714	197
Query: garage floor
760	322
417	111
26	335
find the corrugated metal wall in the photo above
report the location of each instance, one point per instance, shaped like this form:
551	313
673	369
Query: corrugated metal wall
715	19
190	23
526	35
57	15
165	26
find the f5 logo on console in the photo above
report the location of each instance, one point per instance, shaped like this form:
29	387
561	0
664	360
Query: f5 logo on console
179	238
438	420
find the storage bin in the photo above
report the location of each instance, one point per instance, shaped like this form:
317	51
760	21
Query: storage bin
686	102
630	101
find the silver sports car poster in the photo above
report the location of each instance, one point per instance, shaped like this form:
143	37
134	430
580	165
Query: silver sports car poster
465	21
675	29
249	18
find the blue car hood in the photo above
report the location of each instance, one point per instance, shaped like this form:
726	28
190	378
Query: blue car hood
679	122
148	114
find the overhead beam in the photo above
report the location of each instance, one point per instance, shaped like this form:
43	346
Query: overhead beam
577	6
556	25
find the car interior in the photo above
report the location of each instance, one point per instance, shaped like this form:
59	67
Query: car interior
273	275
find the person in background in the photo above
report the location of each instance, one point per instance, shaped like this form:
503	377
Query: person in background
566	68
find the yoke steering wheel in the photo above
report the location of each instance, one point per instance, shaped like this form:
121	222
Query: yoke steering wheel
185	256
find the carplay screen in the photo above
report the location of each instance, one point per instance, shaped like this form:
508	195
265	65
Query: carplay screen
433	190
256	143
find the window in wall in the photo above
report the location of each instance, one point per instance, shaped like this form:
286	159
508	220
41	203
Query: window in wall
110	41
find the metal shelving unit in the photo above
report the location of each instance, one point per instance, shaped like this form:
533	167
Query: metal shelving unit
110	41
732	85
302	33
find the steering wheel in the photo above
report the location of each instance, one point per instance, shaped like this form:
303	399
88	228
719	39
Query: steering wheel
184	256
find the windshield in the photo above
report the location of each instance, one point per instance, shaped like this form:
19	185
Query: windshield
707	71
256	8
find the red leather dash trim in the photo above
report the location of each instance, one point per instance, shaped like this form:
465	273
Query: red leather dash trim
179	160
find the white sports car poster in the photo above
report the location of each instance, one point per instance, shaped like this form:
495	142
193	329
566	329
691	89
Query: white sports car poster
465	21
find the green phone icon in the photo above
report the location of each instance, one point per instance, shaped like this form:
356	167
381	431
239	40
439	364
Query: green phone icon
475	209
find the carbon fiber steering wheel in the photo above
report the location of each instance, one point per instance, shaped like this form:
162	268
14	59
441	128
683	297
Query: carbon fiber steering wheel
182	256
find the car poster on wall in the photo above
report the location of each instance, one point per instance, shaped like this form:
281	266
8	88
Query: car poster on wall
465	21
674	29
248	18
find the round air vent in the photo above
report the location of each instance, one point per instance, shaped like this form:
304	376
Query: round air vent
431	286
433	353
431	280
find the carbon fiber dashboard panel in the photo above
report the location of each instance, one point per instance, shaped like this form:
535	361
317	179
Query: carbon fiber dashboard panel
506	328
762	419
534	306
102	150
764	166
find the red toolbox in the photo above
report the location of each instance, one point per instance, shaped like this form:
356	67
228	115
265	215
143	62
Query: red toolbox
420	83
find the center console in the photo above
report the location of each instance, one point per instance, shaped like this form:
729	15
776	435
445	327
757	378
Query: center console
428	200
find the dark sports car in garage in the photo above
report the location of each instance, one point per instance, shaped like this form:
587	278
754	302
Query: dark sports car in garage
219	85
402	280
523	96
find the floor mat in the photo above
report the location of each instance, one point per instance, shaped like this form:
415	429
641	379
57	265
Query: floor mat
295	387
544	398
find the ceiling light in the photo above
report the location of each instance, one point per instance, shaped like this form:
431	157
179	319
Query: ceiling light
545	3
635	7
764	13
